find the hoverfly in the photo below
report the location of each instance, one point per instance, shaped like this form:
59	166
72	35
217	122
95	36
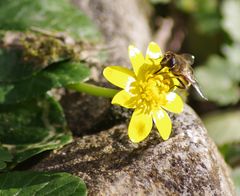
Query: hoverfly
180	66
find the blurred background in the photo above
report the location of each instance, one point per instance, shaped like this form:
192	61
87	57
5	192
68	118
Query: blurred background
209	29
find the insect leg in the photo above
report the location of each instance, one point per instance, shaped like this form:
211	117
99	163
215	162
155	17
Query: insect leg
181	86
158	71
155	65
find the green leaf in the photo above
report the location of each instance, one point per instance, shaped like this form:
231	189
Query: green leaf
160	1
56	76
24	54
203	6
216	82
187	5
47	14
231	14
41	183
32	127
5	156
236	179
207	22
223	127
2	165
232	54
205	14
230	152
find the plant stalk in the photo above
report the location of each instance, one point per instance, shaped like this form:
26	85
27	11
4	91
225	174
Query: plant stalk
93	89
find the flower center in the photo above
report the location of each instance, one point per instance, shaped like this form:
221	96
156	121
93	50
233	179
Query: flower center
149	92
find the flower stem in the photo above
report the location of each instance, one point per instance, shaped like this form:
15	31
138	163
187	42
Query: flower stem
93	89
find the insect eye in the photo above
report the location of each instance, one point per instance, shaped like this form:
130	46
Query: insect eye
166	58
172	62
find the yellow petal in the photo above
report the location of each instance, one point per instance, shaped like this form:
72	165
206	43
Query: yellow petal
122	98
119	76
163	123
174	104
136	58
140	126
154	54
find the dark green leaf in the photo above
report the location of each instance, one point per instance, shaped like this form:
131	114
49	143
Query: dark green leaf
2	165
231	153
41	183
205	14
5	156
47	14
55	76
160	1
32	127
207	22
203	6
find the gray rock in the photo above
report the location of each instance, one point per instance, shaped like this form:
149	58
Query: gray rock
186	164
85	114
121	23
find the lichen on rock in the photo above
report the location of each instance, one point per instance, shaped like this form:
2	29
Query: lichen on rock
37	49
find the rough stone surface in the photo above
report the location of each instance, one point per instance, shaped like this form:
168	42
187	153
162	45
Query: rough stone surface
121	22
85	114
186	164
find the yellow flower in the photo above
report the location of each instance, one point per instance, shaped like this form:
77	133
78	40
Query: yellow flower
148	89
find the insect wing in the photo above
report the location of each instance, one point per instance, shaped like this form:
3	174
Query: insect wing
188	58
198	89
